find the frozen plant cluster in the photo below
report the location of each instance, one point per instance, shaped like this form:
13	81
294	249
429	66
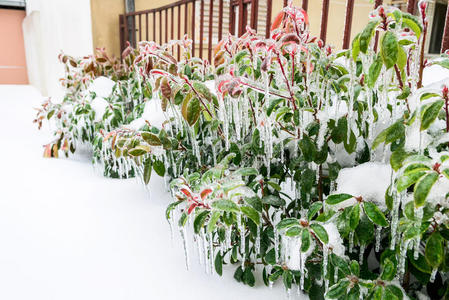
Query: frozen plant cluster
328	170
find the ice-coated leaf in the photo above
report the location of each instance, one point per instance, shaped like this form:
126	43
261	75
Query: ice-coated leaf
218	264
375	214
251	213
287	222
389	270
313	209
407	180
147	168
337	198
273	104
394	290
367	34
305	240
225	205
151	138
374	71
354	217
203	90
159	167
139	150
171	207
246	171
415	167
434	252
273	200
199	221
355	268
213	220
340	263
320	232
429	115
356	47
397	158
255	203
389	49
293	231
423	187
338	290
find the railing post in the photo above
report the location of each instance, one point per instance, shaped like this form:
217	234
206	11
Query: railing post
220	20
305	4
377	3
201	27
445	43
121	22
131	26
254	13
231	18
348	23
211	19
241	18
324	19
269	8
411	6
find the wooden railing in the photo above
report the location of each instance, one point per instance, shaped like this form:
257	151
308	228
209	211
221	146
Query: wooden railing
159	24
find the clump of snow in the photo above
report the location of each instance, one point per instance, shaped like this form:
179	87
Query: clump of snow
416	139
102	86
433	76
99	105
295	259
211	86
369	180
335	241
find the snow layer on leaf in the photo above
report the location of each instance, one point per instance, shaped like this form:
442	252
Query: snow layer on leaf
211	86
293	252
102	86
369	180
335	240
433	75
99	105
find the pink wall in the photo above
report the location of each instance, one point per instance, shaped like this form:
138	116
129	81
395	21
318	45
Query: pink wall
12	51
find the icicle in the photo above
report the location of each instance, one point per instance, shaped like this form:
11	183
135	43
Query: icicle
270	284
325	261
418	214
242	238
402	258
378	236
257	243
361	254
211	253
433	275
276	244
302	270
335	275
206	250
351	241
184	243
200	249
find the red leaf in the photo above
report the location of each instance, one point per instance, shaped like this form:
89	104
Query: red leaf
191	208
204	193
186	192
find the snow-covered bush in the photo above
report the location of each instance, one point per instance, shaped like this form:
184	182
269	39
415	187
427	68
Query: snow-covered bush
327	169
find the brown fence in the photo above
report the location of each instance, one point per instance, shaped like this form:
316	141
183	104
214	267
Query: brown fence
174	20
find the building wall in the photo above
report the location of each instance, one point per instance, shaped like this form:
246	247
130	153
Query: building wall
12	52
105	22
52	26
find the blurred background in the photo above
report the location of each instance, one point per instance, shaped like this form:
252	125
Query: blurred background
34	32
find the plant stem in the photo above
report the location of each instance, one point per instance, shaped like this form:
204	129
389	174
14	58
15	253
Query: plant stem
421	58
401	84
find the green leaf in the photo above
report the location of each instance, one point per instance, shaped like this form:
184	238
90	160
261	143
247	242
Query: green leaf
225	205
356	47
313	209
405	181
305	240
213	220
397	158
199	221
248	277
412	22
444	63
431	112
445	172
138	151
340	263
375	214
240	55
273	104
246	171
273	200
396	291
422	188
251	213
159	168
219	263
293	231
389	270
402	58
151	138
337	198
338	290
425	96
374	71
416	167
354	217
355	268
308	148
320	232
434	252
203	90
287	222
147	168
366	35
191	110
171	207
389	49
255	203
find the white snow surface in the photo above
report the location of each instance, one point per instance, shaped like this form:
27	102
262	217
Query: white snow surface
69	233
369	180
99	105
102	86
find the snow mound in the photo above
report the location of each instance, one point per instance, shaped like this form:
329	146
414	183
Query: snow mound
102	86
335	241
369	180
99	105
